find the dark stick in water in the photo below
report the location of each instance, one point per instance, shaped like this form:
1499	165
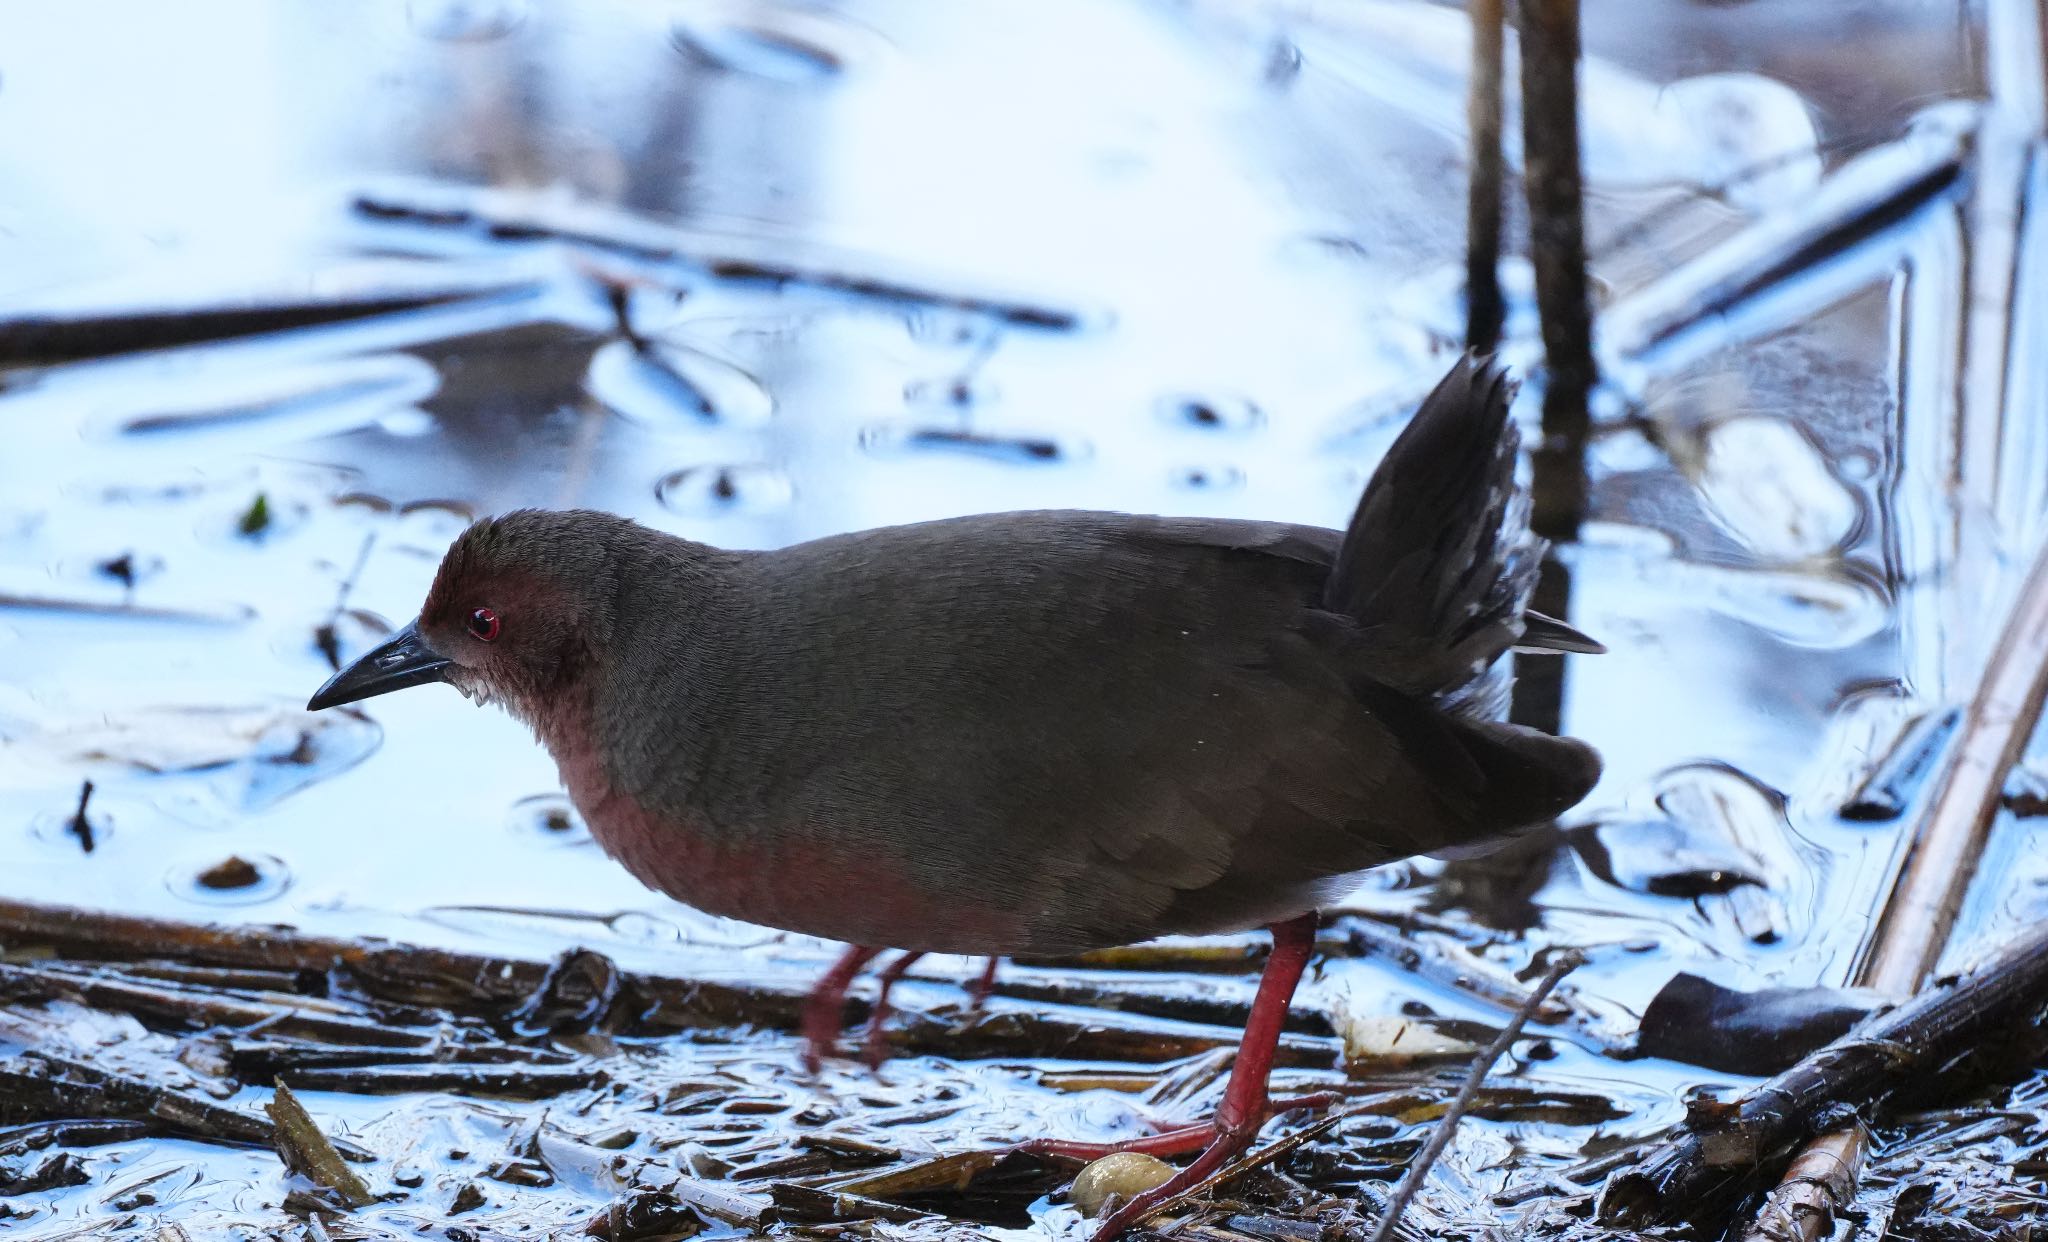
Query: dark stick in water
80	826
1484	311
1557	247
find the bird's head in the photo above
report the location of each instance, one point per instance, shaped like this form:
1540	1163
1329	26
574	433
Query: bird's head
517	608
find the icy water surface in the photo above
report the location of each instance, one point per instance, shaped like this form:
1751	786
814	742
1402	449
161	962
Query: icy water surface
291	293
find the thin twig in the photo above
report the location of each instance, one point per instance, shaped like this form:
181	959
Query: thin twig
1440	1138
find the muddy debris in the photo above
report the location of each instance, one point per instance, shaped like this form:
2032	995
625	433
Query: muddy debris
307	1150
231	872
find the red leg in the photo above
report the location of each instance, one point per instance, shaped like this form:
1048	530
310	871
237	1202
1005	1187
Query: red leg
826	1008
978	991
876	1047
1245	1104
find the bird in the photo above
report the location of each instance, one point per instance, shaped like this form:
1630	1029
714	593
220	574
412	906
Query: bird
1034	733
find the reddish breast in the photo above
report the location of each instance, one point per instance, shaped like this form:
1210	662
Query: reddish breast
790	879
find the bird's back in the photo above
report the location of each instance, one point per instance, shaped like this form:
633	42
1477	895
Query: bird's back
1072	730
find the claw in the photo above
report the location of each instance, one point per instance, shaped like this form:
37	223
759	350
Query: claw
1246	1105
874	1044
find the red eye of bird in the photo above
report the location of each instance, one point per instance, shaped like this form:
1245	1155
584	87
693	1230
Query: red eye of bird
483	624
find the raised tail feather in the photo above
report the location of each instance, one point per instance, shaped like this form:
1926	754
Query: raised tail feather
1438	563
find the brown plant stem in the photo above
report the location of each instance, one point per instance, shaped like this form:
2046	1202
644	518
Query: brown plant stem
1484	310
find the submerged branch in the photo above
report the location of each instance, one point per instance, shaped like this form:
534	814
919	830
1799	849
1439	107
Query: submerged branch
1883	1055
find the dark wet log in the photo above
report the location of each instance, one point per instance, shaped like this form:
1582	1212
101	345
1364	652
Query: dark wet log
39	1087
1484	310
293	983
18	1140
429	977
1906	1047
263	1059
407	974
532	1082
1820	1184
1177	1007
1222	955
187	1008
1027	1033
305	1149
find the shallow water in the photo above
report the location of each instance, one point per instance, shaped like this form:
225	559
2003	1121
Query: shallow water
891	262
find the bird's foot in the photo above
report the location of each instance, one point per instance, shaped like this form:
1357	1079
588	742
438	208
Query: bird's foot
874	1045
1219	1142
825	1009
1245	1106
1170	1139
978	991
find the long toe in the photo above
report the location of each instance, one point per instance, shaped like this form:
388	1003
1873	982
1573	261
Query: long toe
875	1044
1178	1141
1225	1147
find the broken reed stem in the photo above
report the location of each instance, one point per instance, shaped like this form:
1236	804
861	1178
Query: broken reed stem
1914	926
1919	913
306	1149
1485	312
1440	1138
1820	1183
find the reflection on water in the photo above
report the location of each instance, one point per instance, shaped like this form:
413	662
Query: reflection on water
758	272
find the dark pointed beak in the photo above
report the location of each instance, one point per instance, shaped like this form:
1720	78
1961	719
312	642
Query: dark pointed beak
402	660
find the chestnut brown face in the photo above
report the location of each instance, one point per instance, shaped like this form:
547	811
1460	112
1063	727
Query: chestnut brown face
503	622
